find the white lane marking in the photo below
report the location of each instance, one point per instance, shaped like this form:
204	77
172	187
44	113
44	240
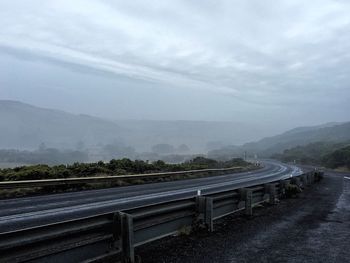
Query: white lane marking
84	207
107	192
105	204
191	187
345	177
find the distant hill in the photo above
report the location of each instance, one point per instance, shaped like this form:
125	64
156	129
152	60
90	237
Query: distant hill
312	128
329	154
316	153
300	136
23	126
199	136
330	132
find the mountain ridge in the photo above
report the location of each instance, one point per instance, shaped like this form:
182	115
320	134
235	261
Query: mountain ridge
26	126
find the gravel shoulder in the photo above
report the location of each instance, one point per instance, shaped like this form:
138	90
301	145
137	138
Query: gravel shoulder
315	227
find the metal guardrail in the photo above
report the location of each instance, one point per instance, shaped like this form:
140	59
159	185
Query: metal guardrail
116	235
104	179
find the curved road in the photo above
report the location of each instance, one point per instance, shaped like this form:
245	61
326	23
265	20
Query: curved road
20	213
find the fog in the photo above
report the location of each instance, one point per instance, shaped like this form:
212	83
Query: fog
264	66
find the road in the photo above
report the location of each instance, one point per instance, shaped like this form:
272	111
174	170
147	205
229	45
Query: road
312	228
21	213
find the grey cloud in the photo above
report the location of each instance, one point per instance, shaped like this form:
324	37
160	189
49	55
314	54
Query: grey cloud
254	53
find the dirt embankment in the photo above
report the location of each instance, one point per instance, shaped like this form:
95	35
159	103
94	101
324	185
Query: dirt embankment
311	228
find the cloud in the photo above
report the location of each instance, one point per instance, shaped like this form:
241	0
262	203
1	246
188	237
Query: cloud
255	51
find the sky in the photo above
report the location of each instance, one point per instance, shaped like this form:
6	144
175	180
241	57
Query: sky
276	63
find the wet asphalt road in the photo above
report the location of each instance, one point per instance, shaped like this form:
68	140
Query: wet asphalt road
315	227
27	212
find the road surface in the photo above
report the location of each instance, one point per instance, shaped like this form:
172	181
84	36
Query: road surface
312	228
21	213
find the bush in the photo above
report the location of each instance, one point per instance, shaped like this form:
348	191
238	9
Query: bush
114	167
292	190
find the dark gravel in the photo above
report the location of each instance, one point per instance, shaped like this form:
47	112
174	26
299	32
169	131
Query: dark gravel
315	227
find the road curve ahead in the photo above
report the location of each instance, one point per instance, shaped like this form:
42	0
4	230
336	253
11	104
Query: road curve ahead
20	213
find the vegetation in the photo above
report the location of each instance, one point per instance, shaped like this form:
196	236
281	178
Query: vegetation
339	158
114	167
331	133
292	190
332	155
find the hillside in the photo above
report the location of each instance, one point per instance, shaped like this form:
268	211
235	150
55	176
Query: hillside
338	159
301	136
23	126
312	153
200	136
332	155
331	132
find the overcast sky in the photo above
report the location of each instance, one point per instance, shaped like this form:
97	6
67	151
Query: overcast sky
280	62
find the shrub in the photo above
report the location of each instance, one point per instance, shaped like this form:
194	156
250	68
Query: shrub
292	190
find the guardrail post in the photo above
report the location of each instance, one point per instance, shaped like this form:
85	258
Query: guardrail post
304	179
116	229
270	189
312	177
127	237
205	210
307	176
209	213
283	184
200	206
247	196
